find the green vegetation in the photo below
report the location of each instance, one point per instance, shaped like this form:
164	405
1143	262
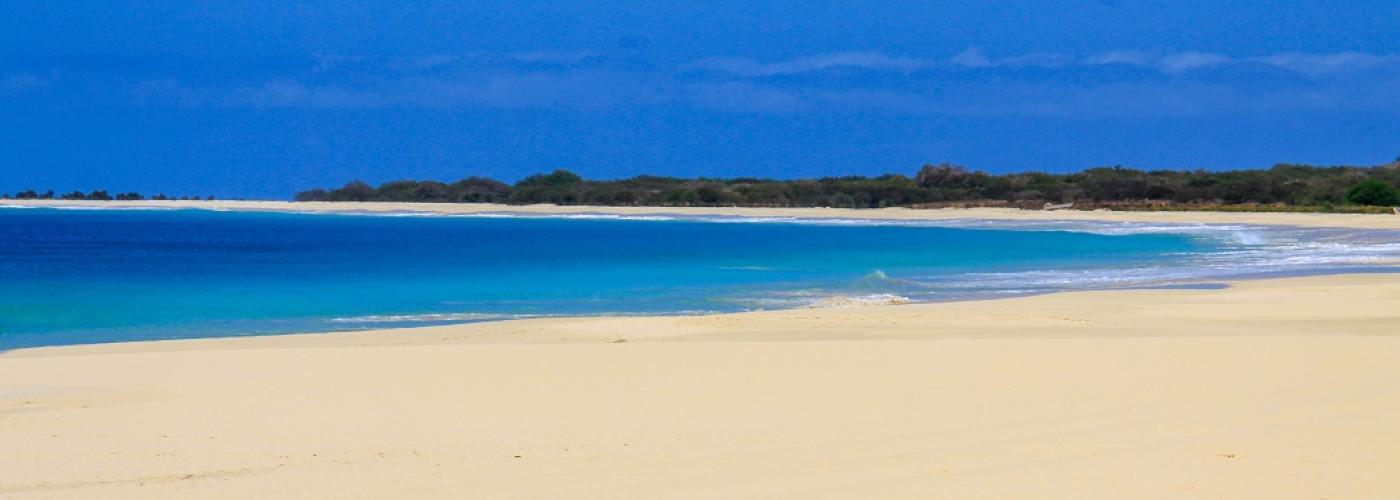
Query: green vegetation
1373	192
1285	187
1281	188
99	195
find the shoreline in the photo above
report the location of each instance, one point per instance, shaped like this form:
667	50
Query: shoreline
1265	389
1348	221
1042	315
1351	221
1268	389
490	331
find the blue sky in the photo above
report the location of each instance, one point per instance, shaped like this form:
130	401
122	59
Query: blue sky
260	99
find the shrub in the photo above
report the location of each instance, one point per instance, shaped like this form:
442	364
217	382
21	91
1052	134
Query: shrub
309	195
557	178
1373	193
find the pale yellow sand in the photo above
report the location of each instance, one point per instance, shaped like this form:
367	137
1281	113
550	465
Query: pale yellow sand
1271	390
1363	221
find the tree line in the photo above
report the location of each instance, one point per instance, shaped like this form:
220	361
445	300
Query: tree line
1284	186
96	195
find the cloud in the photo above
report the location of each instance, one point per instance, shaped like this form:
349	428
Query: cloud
1187	61
282	93
458	61
870	60
1062	86
1128	57
1303	63
577	90
973	58
862	60
1172	63
1329	64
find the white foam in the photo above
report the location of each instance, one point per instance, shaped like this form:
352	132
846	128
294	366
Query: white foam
758	268
875	299
425	318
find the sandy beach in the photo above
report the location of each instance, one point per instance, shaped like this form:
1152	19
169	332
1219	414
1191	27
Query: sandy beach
1268	389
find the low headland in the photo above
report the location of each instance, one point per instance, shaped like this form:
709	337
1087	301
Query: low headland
1282	188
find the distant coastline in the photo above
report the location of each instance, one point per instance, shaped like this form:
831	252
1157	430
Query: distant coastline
1354	221
1282	188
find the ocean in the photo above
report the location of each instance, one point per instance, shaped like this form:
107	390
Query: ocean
71	276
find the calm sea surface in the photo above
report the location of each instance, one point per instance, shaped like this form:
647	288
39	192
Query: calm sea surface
83	276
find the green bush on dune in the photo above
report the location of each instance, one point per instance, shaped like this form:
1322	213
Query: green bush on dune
1281	188
1373	193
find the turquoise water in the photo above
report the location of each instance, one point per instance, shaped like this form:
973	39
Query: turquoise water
83	276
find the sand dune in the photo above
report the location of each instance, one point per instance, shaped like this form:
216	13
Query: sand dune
1269	389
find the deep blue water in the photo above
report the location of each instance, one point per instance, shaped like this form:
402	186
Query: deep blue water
83	276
